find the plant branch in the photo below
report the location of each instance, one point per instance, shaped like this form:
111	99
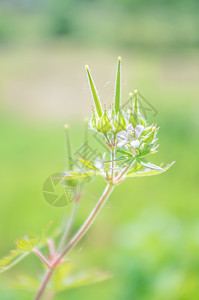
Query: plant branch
42	257
68	228
77	237
44	284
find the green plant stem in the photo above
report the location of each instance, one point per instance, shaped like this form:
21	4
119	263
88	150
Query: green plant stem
112	161
68	228
41	256
76	238
117	179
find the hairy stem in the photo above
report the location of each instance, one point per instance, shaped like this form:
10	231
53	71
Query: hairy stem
68	228
44	284
112	162
42	257
76	238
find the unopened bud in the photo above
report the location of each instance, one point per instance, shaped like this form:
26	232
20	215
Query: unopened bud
106	125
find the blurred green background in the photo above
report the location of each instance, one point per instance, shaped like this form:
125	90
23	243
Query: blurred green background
147	236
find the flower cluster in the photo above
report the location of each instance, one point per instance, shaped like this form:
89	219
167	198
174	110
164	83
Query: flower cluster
127	134
123	127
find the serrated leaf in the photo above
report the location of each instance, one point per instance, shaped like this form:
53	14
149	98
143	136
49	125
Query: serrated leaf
65	278
148	172
88	164
27	245
15	256
25	282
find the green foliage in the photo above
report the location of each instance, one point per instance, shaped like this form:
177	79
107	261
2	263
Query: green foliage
66	278
27	245
88	164
12	259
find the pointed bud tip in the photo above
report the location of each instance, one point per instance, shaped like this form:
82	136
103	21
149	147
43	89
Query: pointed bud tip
136	92
119	58
130	94
86	67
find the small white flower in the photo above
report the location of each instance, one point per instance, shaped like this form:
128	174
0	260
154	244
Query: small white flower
130	136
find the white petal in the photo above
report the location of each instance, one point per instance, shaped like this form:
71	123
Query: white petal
130	127
121	143
135	143
122	134
138	130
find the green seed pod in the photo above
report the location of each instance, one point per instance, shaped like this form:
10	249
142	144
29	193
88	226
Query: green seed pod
94	93
121	123
118	86
136	107
133	119
113	114
105	123
99	128
131	100
142	121
94	120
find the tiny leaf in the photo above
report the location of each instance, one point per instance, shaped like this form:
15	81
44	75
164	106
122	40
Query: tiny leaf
88	164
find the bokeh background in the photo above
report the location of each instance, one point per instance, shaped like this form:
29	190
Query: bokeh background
147	236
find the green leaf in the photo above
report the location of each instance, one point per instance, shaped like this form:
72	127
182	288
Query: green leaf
25	282
88	164
94	93
24	246
27	245
118	86
12	259
125	152
135	168
80	175
129	161
65	278
147	164
149	173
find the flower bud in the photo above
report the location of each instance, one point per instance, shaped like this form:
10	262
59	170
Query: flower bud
121	123
133	119
142	120
105	123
